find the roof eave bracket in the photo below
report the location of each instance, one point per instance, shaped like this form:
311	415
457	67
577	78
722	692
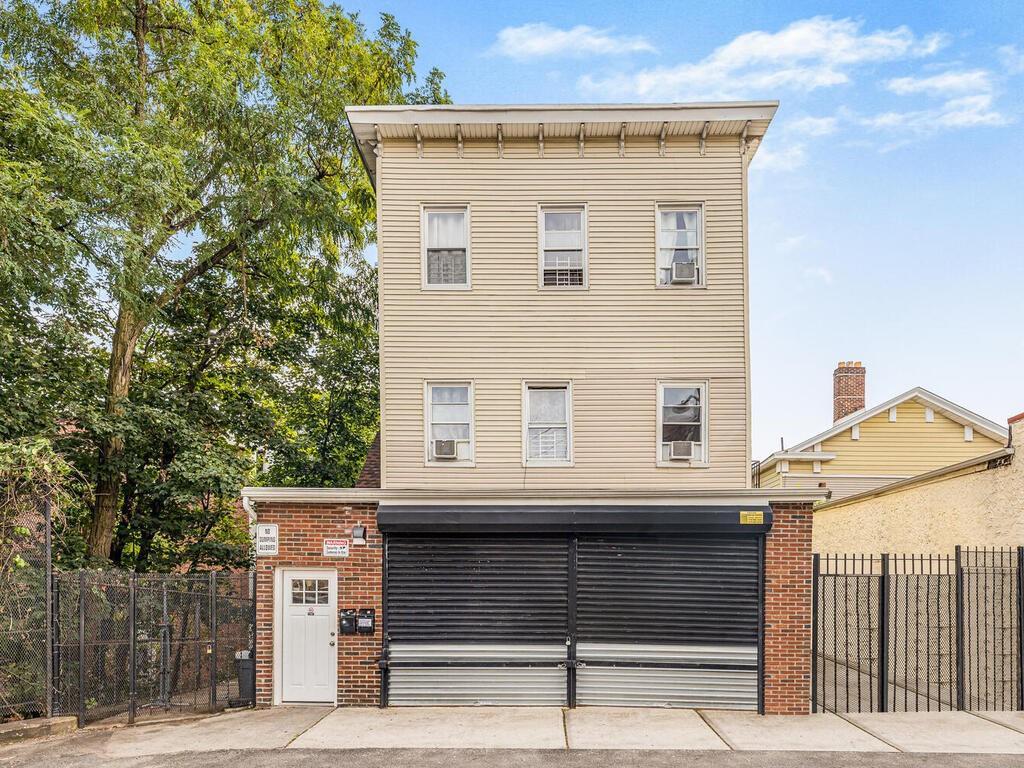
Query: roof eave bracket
704	137
458	137
501	142
419	140
582	137
661	139
540	139
622	140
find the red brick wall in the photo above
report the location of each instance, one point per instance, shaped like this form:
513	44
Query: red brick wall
302	529
787	611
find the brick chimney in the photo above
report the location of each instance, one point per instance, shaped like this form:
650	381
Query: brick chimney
847	389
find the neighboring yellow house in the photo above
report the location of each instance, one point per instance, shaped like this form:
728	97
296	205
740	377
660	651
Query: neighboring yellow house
867	448
975	503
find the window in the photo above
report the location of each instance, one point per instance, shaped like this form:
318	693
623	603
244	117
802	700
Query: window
446	247
682	423
548	438
449	423
680	253
310	591
563	247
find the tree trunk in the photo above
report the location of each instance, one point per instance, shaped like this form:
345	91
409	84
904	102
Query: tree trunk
108	478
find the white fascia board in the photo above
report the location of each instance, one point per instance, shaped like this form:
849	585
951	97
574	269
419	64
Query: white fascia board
940	404
444	114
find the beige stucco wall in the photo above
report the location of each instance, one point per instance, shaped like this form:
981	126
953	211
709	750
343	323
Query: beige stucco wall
614	341
976	507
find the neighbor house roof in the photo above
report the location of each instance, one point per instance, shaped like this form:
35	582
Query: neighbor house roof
372	124
946	407
990	460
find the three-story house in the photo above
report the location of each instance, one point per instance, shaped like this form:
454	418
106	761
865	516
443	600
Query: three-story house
564	513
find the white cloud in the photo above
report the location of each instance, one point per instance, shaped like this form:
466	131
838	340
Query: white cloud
1012	58
819	273
962	112
539	39
784	159
806	55
944	84
813	126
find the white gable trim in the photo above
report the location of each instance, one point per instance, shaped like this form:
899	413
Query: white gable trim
947	408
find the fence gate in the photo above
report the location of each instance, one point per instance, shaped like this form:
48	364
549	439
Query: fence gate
127	644
914	633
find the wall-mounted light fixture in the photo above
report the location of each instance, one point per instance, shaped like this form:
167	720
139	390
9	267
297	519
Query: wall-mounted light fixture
358	534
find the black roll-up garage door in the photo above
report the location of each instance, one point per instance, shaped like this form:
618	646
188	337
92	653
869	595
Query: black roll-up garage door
477	619
667	620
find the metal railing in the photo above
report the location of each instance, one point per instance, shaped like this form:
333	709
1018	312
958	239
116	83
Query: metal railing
916	633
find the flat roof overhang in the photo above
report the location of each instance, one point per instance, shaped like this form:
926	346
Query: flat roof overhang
372	124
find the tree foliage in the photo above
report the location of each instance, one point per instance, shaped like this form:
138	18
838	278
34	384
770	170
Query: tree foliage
182	213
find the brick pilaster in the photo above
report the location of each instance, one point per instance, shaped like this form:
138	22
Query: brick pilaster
787	611
302	529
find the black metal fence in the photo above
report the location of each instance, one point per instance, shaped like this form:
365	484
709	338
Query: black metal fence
126	644
911	633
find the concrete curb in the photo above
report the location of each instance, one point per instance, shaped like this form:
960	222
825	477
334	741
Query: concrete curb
37	728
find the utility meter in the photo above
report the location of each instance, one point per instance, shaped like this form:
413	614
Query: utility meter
365	622
347	621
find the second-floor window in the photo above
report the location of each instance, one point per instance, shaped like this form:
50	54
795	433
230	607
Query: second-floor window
449	422
446	247
680	253
563	246
548	438
682	423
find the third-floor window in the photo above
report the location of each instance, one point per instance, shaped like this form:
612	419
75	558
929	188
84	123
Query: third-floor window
446	247
680	255
563	246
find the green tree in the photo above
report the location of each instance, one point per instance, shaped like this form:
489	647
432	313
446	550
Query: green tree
156	152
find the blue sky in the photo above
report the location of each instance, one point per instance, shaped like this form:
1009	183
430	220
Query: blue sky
885	202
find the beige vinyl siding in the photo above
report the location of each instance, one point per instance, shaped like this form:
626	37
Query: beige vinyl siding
840	485
908	446
614	340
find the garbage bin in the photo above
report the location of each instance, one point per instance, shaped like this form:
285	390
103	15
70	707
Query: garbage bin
245	668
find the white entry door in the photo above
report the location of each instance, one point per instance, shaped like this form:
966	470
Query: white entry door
309	653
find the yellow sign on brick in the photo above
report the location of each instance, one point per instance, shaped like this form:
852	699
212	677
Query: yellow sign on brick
751	517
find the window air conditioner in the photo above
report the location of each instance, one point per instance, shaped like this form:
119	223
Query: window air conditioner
444	449
684	272
681	450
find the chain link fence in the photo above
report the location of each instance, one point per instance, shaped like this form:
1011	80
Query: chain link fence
115	645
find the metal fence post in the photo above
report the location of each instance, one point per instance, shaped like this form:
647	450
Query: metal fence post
81	649
213	641
815	571
54	632
959	630
252	597
132	662
48	581
883	637
1020	628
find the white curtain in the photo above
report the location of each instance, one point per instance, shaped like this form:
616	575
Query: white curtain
446	229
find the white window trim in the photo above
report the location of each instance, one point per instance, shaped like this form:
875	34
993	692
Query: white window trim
968	433
892	414
427	460
424	209
541	207
704	429
929	415
528	462
699	206
855	432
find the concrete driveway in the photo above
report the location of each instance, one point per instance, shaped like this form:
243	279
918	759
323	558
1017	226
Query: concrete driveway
588	737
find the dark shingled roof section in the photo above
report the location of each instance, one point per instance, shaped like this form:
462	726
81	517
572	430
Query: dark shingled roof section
370	475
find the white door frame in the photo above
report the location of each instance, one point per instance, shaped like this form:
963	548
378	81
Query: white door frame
279	606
